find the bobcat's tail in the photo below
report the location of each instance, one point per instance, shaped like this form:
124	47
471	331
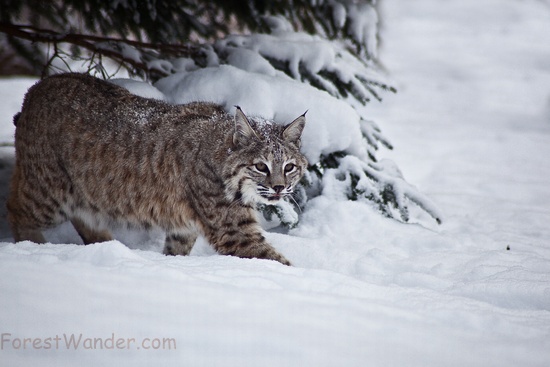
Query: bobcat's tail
16	118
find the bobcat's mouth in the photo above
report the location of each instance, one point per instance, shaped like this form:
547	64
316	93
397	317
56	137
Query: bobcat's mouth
274	197
271	195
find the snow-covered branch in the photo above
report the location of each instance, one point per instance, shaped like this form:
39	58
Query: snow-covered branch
135	55
325	64
318	56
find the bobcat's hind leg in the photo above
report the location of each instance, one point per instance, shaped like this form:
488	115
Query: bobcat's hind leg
24	225
33	235
179	244
88	234
27	218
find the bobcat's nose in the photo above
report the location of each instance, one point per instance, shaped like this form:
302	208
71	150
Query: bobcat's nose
278	188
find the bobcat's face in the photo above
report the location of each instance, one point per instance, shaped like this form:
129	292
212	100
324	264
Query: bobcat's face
271	162
273	175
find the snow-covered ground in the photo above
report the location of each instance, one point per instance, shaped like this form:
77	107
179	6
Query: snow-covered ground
471	127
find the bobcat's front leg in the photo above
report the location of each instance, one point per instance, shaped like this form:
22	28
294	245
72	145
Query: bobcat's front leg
242	237
249	248
179	244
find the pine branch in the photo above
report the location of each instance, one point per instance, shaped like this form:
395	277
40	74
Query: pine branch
379	183
327	65
114	48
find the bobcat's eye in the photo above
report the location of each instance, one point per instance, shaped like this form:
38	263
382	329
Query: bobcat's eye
262	167
289	168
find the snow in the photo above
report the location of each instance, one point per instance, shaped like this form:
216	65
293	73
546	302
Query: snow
139	88
269	97
339	15
471	129
305	55
12	91
162	66
363	26
298	48
250	61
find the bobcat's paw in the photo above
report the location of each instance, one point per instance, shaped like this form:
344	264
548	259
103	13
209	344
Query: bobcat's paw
280	258
254	250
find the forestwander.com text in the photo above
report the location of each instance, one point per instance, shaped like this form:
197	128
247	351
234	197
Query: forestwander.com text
9	341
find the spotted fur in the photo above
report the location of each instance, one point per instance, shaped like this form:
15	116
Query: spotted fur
92	153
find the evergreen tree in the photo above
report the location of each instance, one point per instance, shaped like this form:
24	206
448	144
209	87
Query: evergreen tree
169	27
151	37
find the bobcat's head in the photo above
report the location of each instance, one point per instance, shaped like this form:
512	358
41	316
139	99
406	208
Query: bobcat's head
265	163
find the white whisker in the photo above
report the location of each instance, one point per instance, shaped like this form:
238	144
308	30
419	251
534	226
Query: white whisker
295	202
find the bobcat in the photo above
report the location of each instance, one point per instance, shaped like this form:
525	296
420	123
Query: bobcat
90	152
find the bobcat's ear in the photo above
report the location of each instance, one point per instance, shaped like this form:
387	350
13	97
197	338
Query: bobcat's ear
243	130
293	131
